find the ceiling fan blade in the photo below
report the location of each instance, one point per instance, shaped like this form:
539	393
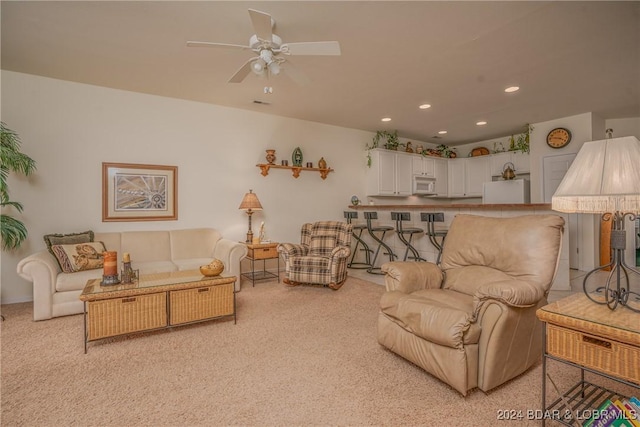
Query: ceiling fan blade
217	45
242	72
311	48
261	24
295	74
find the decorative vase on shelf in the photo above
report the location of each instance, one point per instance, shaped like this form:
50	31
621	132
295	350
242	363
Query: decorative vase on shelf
271	156
296	157
322	163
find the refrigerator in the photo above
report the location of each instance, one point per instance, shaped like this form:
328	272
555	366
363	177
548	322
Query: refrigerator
506	191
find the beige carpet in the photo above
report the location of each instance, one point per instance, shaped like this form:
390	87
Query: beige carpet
297	356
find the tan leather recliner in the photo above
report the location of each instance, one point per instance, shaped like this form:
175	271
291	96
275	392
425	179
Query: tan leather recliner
471	321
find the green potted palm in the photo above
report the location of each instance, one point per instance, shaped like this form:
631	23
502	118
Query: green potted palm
12	230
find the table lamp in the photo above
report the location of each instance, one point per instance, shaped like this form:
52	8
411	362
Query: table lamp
604	178
250	203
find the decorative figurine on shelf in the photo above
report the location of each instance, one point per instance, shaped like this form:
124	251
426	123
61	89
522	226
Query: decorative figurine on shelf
271	156
296	157
355	201
322	163
408	148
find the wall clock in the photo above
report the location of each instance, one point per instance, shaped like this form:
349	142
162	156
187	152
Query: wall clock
558	138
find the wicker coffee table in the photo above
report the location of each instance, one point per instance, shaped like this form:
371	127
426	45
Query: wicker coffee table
155	301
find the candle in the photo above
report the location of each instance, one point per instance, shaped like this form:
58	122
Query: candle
110	263
126	257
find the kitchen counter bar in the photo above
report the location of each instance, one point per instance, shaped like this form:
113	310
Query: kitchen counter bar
510	206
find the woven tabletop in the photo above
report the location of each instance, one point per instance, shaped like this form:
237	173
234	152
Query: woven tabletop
580	313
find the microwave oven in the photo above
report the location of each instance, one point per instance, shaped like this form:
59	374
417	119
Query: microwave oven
424	185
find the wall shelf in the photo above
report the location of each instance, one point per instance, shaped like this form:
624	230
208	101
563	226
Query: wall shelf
264	167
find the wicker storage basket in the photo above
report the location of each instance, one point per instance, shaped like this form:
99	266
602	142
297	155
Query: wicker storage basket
608	356
125	315
195	304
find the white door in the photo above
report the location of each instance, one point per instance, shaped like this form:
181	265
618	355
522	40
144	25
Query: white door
554	169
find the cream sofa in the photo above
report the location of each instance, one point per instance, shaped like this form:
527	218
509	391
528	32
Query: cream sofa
471	321
57	294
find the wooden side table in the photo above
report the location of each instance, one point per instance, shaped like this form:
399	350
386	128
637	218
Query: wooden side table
591	337
262	251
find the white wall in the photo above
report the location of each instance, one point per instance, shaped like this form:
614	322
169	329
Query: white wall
71	128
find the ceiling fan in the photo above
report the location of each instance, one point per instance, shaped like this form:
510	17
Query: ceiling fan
270	50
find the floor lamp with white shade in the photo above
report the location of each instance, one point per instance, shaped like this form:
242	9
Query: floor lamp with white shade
604	178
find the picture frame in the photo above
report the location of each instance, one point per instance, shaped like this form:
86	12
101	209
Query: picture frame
138	192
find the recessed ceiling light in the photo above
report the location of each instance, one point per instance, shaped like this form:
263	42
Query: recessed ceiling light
442	132
424	106
386	119
482	123
512	89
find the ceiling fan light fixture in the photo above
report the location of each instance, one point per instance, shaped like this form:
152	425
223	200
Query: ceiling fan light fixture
266	55
258	66
274	68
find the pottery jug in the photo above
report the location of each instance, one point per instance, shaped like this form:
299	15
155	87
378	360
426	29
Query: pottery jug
271	156
322	164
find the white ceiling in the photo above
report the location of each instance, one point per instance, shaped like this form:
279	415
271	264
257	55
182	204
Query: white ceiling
567	57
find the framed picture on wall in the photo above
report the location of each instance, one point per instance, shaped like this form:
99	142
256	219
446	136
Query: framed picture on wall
133	192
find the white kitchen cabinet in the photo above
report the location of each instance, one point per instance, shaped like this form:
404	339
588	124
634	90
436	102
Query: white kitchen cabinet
476	174
467	176
497	162
456	177
521	162
389	174
440	174
423	166
519	159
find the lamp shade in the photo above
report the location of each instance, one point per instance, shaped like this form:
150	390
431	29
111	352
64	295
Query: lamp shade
250	202
604	177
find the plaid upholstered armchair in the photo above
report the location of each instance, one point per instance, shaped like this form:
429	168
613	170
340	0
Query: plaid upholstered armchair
321	257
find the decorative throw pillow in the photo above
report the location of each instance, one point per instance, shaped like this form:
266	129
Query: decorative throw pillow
67	239
78	257
322	245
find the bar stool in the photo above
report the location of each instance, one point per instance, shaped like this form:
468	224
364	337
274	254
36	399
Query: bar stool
378	229
432	233
398	217
357	234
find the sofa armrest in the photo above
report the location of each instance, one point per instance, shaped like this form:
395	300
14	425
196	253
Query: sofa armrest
230	253
340	252
515	293
409	277
292	249
42	270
